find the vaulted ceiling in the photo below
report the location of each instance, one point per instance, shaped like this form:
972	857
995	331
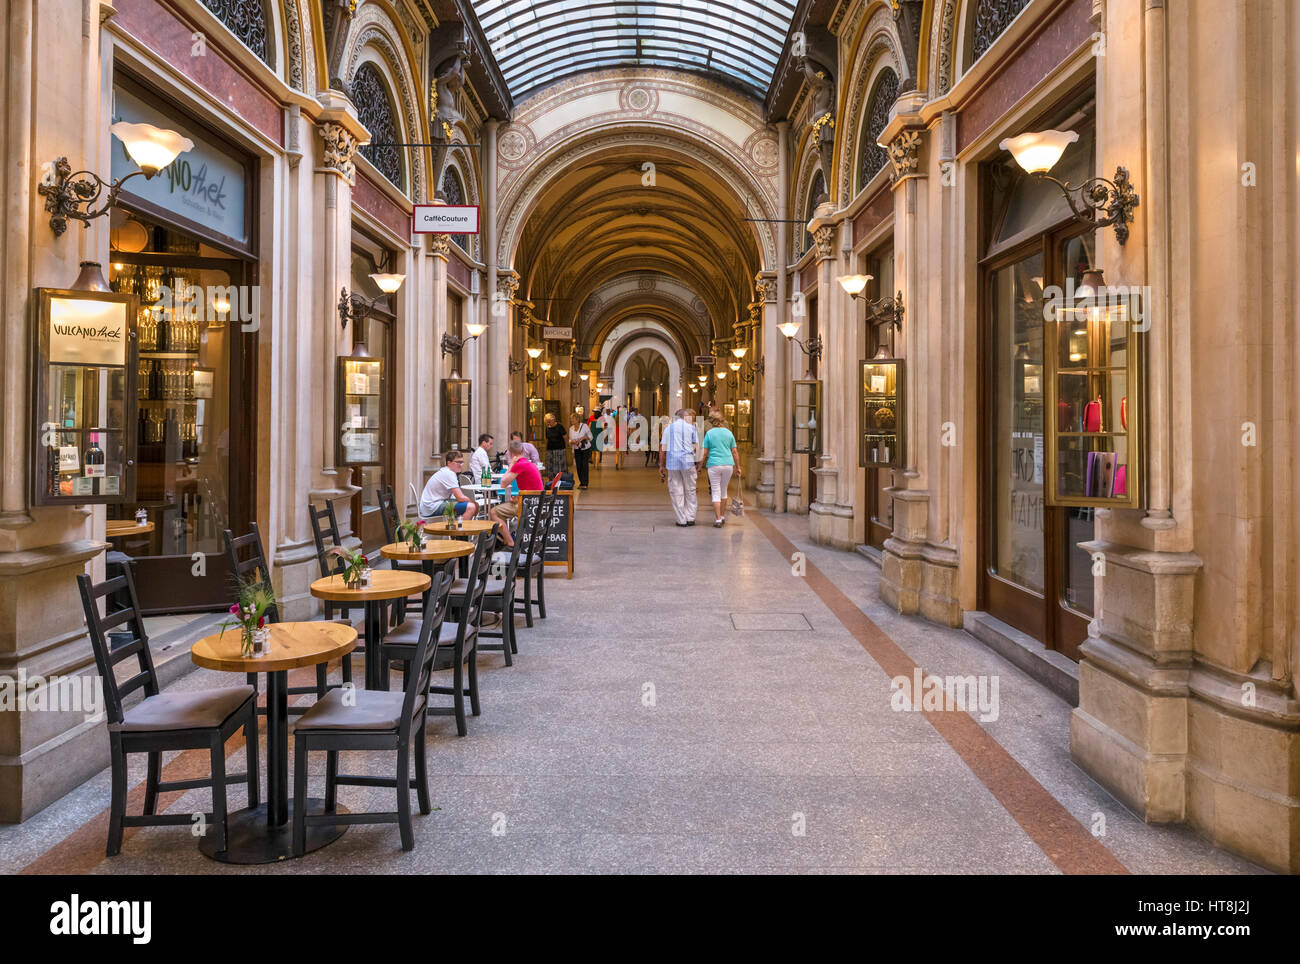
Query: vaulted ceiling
606	218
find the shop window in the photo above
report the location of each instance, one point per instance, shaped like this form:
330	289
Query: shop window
871	156
365	397
192	459
375	110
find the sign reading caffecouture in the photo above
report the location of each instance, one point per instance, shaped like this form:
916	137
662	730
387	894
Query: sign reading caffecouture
445	219
85	332
204	185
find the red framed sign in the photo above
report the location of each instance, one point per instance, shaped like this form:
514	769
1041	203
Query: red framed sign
445	219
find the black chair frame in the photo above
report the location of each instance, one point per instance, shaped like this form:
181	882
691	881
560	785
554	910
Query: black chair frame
157	742
408	740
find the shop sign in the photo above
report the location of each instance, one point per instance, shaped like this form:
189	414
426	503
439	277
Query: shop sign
706	360
445	219
204	185
85	332
557	334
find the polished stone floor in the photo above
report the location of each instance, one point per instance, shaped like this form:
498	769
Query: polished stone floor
703	700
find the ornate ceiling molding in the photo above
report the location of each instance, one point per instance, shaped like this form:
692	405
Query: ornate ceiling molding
521	197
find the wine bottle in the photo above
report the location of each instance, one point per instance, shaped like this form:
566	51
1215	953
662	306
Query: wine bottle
93	460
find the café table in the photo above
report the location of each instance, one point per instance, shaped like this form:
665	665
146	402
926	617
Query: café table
491	491
118	528
385	584
263	834
434	551
471	530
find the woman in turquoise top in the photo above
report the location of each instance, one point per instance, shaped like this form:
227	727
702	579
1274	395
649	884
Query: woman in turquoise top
722	461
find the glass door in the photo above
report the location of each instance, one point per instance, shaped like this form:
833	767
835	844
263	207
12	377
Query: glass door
194	408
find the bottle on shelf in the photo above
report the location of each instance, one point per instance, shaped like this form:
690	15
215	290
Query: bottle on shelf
93	460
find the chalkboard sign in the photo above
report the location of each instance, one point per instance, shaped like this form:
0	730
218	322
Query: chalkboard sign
558	550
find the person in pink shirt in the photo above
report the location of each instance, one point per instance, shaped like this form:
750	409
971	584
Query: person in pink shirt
521	476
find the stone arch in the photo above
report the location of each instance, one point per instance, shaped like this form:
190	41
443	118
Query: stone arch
293	21
653	342
878	49
376	38
809	170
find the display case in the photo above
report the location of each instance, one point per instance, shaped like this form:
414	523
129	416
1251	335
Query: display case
729	412
360	417
456	393
536	413
84	410
807	416
744	420
1094	403
880	420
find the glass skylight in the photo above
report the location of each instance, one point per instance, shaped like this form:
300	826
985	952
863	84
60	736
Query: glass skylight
539	41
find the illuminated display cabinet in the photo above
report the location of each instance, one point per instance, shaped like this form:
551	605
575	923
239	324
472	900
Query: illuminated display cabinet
84	397
807	420
1094	403
361	410
744	420
880	422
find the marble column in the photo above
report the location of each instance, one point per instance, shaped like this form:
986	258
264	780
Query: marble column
773	386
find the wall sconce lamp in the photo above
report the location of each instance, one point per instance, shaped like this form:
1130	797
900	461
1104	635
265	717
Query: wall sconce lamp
886	309
356	308
152	149
1097	201
451	344
812	347
534	353
739	352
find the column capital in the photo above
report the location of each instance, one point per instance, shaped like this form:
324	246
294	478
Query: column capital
340	147
765	286
905	155
440	245
507	282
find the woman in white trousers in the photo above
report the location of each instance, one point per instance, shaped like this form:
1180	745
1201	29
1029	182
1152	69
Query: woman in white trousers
723	459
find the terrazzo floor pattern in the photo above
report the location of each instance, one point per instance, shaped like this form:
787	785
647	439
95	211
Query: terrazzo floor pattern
639	731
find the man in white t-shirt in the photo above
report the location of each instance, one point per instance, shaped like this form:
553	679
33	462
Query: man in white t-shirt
482	457
443	487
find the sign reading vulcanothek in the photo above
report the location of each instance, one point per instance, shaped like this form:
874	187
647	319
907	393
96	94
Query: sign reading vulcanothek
445	219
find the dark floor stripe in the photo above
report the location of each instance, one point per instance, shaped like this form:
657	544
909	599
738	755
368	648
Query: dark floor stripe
1053	828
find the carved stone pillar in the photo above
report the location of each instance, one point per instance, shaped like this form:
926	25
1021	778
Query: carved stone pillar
774	387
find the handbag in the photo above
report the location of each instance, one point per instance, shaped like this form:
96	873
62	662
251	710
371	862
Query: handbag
1092	416
737	506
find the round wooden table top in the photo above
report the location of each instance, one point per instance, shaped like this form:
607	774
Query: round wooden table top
473	527
292	645
115	528
434	550
384	584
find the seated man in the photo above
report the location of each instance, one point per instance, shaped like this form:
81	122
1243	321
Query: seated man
522	474
482	457
443	487
530	449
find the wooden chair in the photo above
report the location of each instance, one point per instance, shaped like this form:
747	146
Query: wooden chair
460	640
390	517
532	565
325	525
245	558
372	720
193	720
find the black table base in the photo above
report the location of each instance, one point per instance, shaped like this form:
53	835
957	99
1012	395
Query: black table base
251	841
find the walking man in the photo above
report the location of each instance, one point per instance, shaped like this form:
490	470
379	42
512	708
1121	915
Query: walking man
677	460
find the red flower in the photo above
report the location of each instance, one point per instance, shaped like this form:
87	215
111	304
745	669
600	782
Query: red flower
261	622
